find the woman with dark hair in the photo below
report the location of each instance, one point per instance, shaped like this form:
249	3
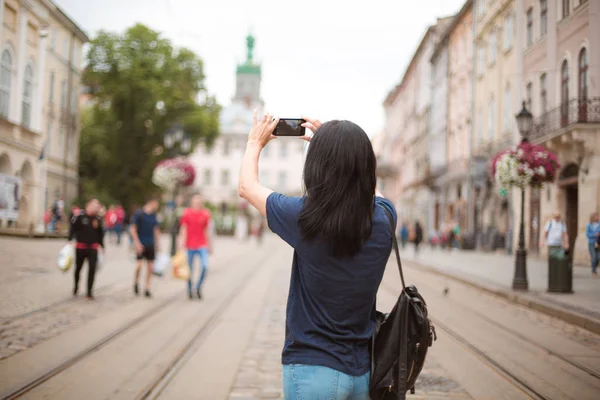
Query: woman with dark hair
342	239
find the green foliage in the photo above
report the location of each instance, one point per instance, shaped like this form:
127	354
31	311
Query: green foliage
122	133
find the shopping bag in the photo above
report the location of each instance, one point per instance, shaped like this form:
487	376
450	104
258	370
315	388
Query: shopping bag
100	261
181	269
66	257
161	264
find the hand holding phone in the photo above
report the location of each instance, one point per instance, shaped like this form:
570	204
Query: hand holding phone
290	127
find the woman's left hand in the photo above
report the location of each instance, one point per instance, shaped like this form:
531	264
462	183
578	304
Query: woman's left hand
262	130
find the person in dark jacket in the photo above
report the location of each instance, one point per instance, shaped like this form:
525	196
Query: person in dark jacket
418	237
86	229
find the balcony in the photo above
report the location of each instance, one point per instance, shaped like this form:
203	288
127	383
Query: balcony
565	117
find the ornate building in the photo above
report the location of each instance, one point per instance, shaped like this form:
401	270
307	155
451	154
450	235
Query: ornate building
40	65
218	166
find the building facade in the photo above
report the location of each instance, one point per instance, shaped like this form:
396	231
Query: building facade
456	186
496	84
218	167
561	88
41	56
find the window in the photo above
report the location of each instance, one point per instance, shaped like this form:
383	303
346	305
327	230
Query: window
479	126
27	97
5	83
224	177
508	32
225	147
74	102
283	150
492	48
53	39
207	176
75	57
65	50
51	91
492	119
282	179
207	149
530	26
61	135
507	110
566	8
63	95
543	17
480	59
10	17
583	75
48	146
564	93
528	96
543	95
32	35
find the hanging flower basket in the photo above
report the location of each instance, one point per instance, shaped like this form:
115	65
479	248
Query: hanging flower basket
525	165
173	172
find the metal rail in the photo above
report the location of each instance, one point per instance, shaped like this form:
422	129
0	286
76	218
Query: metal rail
29	386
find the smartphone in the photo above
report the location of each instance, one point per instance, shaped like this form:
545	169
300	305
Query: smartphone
290	127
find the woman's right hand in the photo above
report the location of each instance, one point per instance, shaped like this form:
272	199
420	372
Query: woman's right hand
313	125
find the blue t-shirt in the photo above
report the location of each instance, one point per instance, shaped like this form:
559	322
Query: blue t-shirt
145	224
331	304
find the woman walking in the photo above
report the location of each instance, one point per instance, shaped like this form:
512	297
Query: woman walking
593	234
342	239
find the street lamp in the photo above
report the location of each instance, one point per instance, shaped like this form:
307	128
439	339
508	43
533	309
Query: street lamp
524	123
174	136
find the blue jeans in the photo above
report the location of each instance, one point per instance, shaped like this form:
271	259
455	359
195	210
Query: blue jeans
314	382
202	253
594	256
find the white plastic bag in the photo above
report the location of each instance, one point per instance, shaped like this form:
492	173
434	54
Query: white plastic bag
100	261
66	257
161	264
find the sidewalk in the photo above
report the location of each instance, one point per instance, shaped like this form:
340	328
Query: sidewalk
494	272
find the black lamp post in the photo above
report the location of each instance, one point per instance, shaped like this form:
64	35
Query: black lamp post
524	123
176	136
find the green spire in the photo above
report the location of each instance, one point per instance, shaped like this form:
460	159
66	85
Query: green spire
250	46
249	67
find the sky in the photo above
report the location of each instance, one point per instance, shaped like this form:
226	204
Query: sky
325	59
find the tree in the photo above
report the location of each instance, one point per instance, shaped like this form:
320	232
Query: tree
141	86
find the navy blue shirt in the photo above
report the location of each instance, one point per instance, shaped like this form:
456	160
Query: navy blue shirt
145	224
331	304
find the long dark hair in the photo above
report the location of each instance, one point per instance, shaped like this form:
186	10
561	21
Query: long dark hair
339	180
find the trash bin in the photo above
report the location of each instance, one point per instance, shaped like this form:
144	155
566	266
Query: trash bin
560	271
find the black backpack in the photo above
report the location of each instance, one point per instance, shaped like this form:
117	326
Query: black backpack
400	341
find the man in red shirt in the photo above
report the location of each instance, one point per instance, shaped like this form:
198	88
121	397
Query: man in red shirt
194	236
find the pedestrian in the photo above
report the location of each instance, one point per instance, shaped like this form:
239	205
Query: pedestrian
593	234
260	230
119	222
86	229
194	236
146	237
418	236
342	240
404	234
556	235
58	210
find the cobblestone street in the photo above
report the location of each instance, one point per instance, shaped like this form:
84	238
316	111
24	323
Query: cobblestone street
229	344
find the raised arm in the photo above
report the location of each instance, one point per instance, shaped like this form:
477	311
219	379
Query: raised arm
249	186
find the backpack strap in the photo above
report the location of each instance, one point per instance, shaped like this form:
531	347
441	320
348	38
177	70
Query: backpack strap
395	244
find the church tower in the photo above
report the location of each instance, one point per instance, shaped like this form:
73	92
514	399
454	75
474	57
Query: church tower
248	78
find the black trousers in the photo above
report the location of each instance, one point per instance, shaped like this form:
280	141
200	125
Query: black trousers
80	256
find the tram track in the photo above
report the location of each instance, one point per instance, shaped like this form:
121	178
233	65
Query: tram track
514	379
481	355
518	335
162	381
104	341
